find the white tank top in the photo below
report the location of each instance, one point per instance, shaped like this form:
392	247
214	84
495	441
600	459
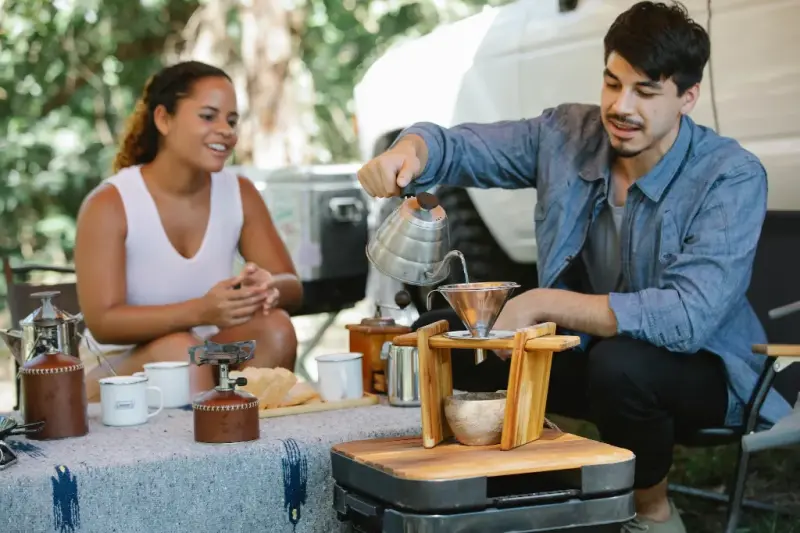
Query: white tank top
156	274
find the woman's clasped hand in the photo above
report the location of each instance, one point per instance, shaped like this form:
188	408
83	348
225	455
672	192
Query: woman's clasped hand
235	300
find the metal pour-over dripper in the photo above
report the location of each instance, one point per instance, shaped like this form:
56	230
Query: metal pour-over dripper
477	304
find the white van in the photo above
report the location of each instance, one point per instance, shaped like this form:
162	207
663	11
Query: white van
514	61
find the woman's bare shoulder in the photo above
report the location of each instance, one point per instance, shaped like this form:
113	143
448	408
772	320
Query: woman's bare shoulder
246	186
103	205
251	197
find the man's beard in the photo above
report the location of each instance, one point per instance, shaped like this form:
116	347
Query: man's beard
624	153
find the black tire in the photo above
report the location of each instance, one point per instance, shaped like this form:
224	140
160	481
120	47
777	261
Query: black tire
486	260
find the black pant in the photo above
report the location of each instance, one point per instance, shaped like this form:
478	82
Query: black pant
640	397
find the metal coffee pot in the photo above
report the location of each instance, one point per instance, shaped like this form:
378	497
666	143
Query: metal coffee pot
46	328
402	375
413	243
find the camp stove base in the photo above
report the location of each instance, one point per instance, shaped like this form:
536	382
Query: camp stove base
561	482
603	515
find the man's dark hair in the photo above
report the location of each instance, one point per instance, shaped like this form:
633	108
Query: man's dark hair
662	42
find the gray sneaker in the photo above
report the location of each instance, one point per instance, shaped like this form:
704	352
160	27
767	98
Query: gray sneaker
673	525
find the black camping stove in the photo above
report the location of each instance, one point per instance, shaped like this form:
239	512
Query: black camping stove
593	498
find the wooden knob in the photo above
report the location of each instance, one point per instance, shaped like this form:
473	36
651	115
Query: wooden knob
427	201
402	299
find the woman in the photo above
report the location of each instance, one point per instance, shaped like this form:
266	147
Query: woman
157	242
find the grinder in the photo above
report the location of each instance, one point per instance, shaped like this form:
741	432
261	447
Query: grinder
368	338
224	414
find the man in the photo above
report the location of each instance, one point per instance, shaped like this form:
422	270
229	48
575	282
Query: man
646	227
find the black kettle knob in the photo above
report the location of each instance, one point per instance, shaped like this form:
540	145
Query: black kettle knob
240	382
402	299
427	201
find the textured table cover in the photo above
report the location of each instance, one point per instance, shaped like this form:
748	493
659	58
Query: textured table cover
154	478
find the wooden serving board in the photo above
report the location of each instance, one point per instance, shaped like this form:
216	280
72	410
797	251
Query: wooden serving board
367	399
405	457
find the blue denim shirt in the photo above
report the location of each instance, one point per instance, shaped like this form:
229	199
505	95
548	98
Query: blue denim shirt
688	238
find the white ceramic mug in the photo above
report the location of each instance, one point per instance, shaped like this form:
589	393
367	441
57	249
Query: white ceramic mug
172	377
123	400
340	376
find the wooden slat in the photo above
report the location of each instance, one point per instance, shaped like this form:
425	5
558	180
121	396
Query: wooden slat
778	350
555	343
527	389
408	339
435	384
405	457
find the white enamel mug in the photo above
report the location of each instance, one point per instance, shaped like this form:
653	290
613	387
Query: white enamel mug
123	400
340	376
172	377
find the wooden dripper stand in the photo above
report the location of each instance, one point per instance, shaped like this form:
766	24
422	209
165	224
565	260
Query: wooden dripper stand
531	355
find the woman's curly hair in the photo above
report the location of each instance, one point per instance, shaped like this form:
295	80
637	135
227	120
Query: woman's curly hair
141	139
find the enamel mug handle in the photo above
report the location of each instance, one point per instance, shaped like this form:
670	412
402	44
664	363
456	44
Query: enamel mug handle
160	402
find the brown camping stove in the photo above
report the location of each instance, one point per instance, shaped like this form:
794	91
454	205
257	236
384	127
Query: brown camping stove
368	338
224	414
53	393
52	387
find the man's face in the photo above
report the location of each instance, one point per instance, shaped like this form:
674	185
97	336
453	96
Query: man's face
639	113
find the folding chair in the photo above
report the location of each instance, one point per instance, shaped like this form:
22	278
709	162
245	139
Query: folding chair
21	304
774	284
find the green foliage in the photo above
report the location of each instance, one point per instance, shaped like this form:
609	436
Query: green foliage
343	38
69	73
71	70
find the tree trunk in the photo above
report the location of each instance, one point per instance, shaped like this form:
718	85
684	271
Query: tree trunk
274	91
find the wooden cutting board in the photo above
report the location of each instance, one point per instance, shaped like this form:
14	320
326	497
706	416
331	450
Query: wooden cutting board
367	399
405	457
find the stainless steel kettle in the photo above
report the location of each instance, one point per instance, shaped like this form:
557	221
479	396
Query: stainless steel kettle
46	323
413	243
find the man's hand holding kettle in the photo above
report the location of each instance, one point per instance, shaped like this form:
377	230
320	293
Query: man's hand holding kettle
387	174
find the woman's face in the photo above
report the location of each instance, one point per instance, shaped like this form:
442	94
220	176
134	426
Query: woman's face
203	130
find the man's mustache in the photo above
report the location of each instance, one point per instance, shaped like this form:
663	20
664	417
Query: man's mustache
627	121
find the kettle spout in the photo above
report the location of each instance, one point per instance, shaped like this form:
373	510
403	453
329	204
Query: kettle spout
441	272
13	339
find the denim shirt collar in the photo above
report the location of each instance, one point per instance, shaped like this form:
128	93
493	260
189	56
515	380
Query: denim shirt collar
654	183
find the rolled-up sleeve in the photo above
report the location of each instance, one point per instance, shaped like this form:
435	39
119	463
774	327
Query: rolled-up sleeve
495	155
708	275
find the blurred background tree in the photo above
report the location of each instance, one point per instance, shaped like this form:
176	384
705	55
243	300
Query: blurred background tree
71	70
